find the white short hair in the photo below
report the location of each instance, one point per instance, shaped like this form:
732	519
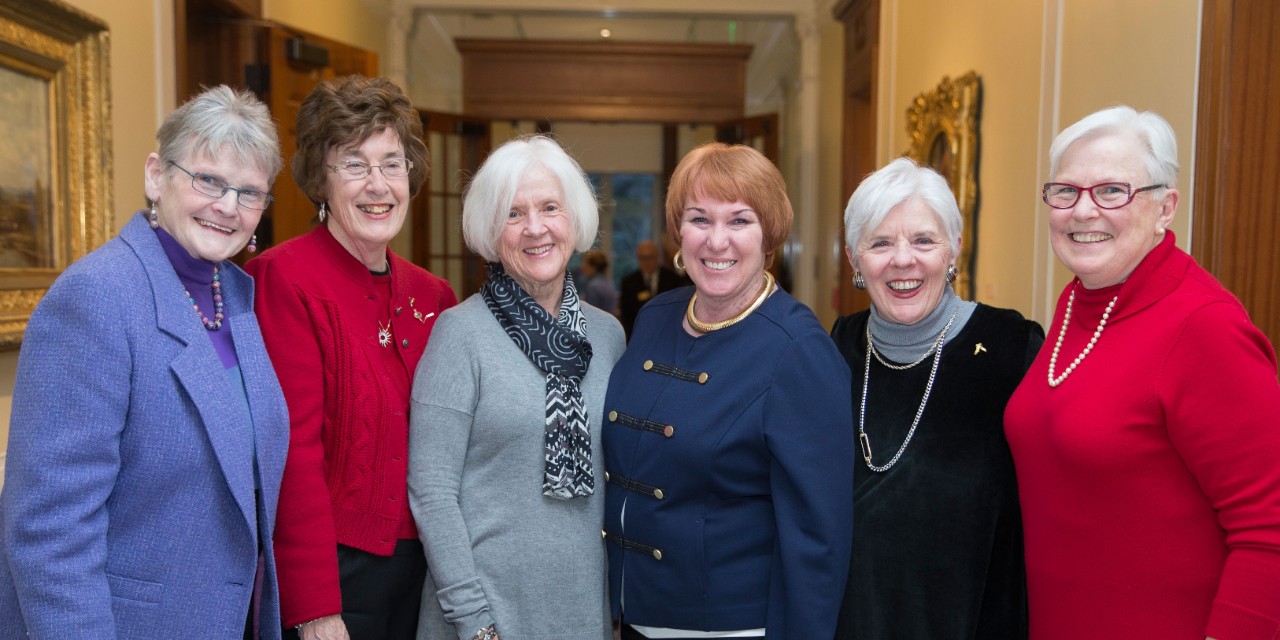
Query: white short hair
222	118
892	185
1152	132
488	198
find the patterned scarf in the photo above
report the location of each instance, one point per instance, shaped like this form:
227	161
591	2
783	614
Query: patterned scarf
559	347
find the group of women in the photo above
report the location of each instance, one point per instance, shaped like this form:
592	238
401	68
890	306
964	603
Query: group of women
504	468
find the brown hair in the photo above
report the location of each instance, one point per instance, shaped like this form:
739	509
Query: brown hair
732	174
597	259
345	111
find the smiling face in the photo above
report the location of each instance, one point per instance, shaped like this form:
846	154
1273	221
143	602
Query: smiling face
904	262
722	245
1103	246
538	239
209	228
366	213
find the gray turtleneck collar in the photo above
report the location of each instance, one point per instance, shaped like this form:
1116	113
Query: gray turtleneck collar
904	343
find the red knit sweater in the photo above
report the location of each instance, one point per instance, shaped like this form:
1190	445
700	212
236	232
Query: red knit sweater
1150	478
348	396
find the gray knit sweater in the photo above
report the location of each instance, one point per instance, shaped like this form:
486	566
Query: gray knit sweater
499	552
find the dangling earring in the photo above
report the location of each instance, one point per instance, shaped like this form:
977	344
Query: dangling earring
324	211
253	243
952	274
678	262
152	218
858	281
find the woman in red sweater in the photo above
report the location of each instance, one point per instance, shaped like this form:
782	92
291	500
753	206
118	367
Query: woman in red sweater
1146	435
345	321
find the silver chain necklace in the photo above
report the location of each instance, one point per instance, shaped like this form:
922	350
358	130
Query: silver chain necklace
863	439
897	367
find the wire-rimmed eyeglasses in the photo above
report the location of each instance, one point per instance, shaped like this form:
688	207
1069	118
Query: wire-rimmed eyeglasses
355	169
216	187
1107	195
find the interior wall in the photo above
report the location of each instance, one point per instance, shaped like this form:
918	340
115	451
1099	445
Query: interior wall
1159	74
359	23
1047	64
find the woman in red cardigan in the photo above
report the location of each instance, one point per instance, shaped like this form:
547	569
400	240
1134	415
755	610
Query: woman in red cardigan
1146	435
345	321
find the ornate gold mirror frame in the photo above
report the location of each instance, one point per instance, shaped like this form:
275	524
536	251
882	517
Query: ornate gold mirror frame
55	183
942	126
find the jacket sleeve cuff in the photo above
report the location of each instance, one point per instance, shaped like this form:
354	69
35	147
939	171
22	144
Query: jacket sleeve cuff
468	626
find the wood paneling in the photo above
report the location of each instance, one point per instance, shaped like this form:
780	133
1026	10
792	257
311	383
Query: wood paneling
457	145
861	20
1235	233
614	81
289	83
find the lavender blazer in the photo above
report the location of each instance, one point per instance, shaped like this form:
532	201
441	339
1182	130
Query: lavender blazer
128	509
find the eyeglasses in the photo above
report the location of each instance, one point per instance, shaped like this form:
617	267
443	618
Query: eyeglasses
355	169
1107	195
216	187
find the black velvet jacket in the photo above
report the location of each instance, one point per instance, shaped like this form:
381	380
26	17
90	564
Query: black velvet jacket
937	544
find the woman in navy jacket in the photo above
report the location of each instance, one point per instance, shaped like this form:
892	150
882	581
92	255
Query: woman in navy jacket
727	448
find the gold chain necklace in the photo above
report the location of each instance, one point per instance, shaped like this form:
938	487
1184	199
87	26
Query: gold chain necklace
708	327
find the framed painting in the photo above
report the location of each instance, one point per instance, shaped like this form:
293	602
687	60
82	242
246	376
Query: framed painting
55	164
942	129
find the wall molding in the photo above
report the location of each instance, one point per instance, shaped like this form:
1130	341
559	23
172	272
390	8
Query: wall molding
609	81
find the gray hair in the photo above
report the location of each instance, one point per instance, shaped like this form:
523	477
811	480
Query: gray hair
892	185
1147	127
221	118
488	198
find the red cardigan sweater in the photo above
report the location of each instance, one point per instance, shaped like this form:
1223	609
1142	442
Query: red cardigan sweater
1150	478
348	396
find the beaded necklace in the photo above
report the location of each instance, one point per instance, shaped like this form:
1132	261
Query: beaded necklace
1097	333
216	323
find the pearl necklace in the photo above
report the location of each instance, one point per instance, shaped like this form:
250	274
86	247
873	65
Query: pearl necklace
708	327
1097	333
863	439
216	322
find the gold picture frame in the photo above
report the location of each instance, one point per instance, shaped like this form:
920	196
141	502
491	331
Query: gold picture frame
942	127
55	167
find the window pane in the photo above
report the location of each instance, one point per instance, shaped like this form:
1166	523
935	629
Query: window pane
633	214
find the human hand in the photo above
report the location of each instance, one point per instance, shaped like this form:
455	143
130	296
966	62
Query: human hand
488	633
326	628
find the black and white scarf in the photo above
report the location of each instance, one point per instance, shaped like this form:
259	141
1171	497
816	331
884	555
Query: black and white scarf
558	347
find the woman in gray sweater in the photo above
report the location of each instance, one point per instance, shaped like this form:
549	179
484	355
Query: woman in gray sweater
505	471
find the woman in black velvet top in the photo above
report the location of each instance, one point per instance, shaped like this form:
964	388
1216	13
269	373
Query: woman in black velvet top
937	544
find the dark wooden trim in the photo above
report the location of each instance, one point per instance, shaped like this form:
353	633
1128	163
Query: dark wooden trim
610	81
1235	230
1211	124
861	20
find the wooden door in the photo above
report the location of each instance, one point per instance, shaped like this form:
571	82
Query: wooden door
221	43
289	77
861	20
457	145
759	132
1236	232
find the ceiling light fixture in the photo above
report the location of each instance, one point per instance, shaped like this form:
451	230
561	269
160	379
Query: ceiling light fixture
605	33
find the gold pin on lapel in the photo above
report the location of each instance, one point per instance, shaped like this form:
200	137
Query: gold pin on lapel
978	348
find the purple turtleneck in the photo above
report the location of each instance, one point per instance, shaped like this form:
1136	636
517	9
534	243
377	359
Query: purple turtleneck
196	276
